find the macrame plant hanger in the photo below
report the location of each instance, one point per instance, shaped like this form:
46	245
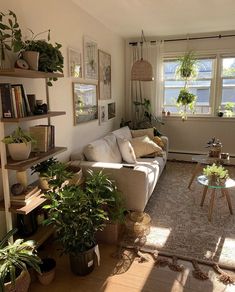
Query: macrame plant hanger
142	70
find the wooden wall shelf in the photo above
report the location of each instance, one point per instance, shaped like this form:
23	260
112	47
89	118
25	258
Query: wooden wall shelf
34	117
33	159
28	73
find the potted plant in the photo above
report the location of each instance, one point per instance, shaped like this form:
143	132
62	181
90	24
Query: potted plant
10	35
19	144
14	259
187	66
215	147
229	106
42	169
186	101
216	174
47	268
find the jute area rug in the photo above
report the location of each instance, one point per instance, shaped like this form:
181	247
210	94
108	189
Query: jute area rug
180	226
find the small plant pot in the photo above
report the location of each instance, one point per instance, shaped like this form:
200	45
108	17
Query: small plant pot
31	58
47	267
19	151
21	285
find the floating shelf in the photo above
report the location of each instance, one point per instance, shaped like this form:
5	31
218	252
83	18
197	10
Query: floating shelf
28	73
33	159
31	118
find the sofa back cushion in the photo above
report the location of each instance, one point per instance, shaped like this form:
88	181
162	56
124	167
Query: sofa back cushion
103	150
123	133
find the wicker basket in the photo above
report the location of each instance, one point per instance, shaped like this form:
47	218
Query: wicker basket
138	224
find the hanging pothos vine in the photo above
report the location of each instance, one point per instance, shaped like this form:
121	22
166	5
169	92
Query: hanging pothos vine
186	71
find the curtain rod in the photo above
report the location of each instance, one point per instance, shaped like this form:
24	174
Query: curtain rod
188	39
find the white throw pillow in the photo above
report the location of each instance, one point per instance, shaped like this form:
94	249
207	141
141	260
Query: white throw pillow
143	132
124	133
126	150
145	146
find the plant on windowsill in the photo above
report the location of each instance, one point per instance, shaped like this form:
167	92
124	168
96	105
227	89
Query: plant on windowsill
216	174
229	106
14	259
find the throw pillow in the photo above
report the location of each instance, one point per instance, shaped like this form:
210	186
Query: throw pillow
145	146
158	141
126	150
143	132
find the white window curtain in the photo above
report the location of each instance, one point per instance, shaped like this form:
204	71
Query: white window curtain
140	90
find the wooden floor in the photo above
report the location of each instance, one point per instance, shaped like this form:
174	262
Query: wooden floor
127	276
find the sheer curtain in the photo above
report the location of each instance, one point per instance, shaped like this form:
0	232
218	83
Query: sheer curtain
140	90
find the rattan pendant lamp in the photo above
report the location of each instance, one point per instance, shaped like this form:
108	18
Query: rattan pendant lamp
142	70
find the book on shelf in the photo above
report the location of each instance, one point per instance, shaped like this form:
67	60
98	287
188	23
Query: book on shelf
6	99
44	136
22	200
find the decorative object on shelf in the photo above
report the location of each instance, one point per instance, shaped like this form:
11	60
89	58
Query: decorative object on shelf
19	144
220	113
104	75
47	267
186	100
10	36
14	275
32	58
111	110
27	224
90	58
187	70
229	107
224	155
41	107
92	207
216	174
84	102
75	63
17	189
142	70
215	147
21	64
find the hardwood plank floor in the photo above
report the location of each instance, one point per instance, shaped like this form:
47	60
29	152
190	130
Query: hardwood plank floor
140	277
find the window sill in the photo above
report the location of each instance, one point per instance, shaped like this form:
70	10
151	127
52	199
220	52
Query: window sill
199	118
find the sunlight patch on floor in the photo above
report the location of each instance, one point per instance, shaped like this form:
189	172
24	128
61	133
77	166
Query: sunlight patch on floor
228	245
159	235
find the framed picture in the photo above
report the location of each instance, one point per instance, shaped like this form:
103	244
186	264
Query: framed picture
75	63
90	59
111	110
84	102
103	114
104	75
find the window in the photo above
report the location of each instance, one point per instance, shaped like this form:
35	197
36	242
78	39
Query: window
228	82
201	86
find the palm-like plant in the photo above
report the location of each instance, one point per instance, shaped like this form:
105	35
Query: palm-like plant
15	257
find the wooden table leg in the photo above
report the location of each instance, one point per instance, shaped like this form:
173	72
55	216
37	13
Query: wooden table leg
204	195
226	193
211	204
195	172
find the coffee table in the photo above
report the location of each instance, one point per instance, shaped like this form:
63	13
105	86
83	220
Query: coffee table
206	160
229	183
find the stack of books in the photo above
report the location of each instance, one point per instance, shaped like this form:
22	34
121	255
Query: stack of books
15	103
30	193
44	136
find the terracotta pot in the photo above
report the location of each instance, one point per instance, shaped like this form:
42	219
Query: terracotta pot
31	58
48	271
19	151
21	285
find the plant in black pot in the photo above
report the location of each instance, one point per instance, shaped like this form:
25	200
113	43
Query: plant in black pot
77	215
15	258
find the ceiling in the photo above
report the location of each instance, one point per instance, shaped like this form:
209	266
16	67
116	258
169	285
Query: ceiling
162	17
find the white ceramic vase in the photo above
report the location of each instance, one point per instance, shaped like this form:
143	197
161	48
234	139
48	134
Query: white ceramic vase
31	58
19	151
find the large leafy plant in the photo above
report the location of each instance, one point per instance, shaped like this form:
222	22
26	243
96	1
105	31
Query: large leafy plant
42	167
18	136
187	66
15	257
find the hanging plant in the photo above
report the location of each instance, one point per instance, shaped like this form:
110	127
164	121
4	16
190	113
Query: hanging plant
187	68
186	101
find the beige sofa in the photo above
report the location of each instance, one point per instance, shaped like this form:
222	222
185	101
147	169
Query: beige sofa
136	181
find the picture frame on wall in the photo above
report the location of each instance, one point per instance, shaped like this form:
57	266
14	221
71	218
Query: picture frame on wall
104	61
75	63
90	55
102	114
111	110
85	104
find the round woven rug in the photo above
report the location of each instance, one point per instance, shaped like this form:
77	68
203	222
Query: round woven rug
180	226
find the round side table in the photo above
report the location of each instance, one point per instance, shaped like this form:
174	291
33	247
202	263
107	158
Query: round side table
229	183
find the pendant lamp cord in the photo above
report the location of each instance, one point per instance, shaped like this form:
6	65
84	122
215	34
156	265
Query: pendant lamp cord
142	40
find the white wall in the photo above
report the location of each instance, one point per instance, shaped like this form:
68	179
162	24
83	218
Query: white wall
68	24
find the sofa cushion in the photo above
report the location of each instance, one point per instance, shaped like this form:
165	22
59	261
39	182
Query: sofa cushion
123	133
104	150
127	151
143	132
158	141
145	146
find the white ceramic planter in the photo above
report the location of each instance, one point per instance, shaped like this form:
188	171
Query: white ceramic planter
31	58
19	151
